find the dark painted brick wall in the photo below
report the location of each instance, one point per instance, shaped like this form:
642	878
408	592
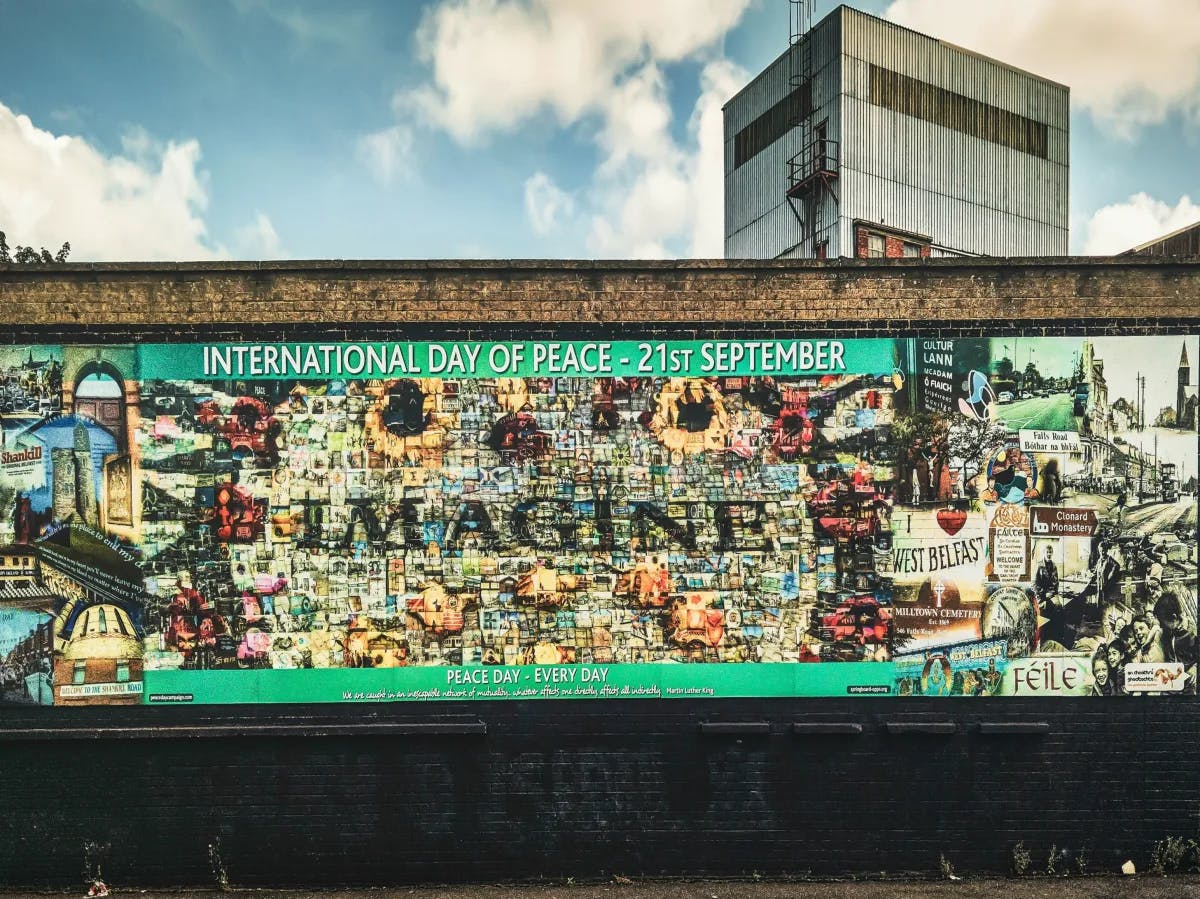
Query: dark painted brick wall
558	789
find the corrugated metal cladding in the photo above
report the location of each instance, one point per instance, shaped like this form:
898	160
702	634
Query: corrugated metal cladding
945	65
758	220
773	83
976	194
967	192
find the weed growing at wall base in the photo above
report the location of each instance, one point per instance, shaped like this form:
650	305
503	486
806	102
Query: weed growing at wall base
1175	854
1020	860
94	855
217	865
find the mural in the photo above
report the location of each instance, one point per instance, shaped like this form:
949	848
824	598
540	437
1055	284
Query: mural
396	521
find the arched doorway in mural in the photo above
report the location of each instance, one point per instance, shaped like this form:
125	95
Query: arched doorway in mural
100	395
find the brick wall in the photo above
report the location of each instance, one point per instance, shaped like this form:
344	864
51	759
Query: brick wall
562	790
901	293
314	795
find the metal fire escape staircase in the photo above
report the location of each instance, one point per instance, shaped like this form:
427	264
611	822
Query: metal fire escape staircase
812	173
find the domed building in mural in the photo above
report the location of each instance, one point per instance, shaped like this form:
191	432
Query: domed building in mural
99	653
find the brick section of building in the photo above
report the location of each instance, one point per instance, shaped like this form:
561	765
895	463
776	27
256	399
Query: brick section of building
301	795
108	680
892	244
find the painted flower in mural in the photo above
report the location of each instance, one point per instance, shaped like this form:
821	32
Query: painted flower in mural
689	416
404	423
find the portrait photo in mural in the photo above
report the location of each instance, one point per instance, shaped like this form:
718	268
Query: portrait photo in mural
986	517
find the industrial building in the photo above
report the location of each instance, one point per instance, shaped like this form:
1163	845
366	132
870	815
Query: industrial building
1182	242
867	139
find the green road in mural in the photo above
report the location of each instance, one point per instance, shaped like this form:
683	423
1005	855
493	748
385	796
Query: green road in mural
1049	413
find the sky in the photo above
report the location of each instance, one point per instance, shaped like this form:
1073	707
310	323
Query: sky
257	129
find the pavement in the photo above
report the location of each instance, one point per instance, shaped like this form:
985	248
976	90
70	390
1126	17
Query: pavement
1112	887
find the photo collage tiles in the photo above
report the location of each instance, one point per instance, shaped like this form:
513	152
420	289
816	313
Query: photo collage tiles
987	517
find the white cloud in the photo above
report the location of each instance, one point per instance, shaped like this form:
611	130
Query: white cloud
546	204
641	189
145	205
258	239
1129	64
718	82
1122	226
388	154
654	196
498	63
637	119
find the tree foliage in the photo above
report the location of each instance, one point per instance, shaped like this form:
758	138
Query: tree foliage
966	442
20	255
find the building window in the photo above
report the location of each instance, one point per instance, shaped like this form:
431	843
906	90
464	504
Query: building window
79	673
911	249
909	96
772	124
122	672
875	246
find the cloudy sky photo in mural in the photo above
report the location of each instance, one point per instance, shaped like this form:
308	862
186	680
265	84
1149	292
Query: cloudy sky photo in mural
413	521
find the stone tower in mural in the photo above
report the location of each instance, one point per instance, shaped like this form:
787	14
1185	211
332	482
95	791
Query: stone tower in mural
85	481
1185	375
74	485
63	461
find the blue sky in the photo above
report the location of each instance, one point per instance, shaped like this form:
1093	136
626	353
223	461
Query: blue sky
163	129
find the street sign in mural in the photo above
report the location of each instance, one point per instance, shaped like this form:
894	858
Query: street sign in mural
392	521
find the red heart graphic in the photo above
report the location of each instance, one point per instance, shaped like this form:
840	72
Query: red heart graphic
951	520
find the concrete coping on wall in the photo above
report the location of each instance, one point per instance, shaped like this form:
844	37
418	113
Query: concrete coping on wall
831	728
735	728
209	731
941	728
542	265
1014	728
